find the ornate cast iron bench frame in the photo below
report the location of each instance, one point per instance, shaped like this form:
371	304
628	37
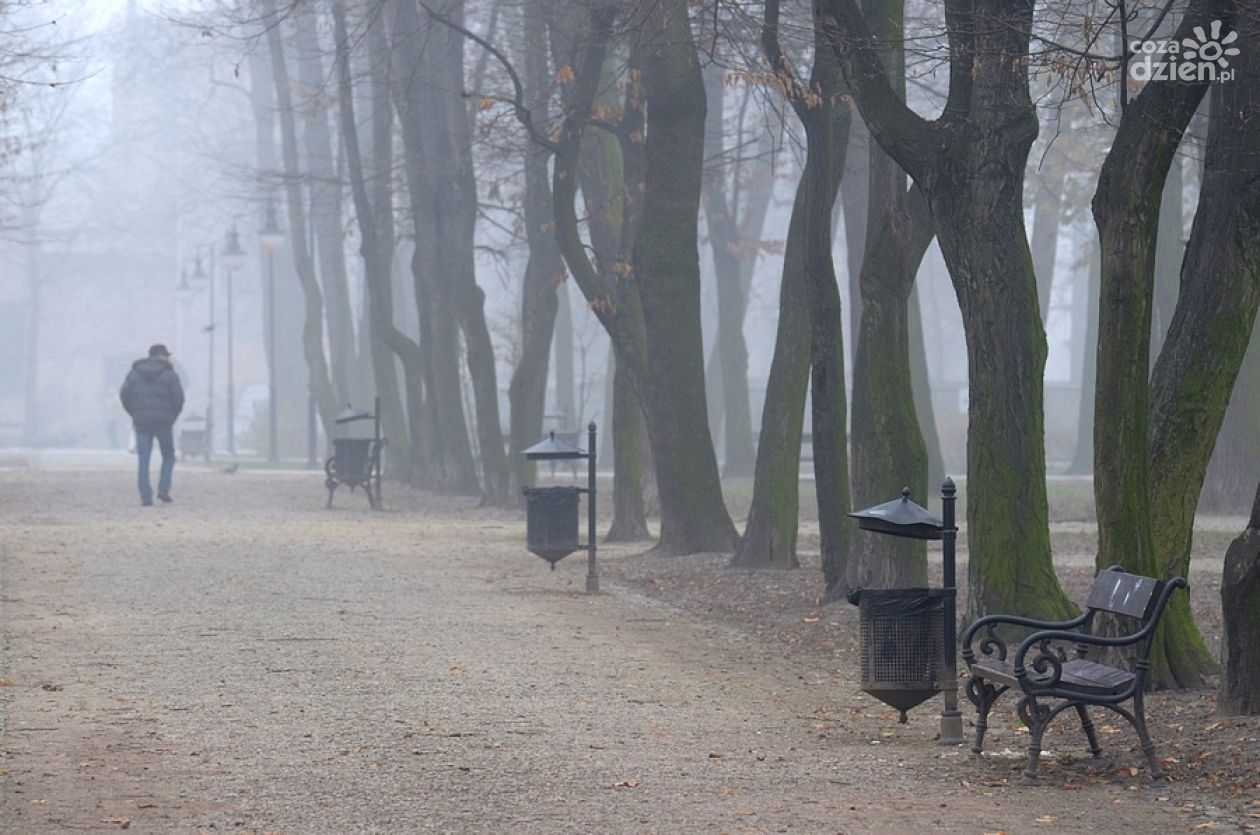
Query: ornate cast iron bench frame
338	472
1049	675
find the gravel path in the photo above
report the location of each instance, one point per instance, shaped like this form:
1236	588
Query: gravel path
247	661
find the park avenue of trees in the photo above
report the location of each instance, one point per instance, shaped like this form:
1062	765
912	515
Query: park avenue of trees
476	192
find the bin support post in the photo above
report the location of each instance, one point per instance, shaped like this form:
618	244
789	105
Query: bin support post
951	716
592	573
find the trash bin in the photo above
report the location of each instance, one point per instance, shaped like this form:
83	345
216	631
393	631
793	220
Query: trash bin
902	633
551	522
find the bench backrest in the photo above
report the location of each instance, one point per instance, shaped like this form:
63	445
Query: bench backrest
1124	594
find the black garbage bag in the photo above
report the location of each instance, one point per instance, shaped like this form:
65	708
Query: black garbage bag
876	603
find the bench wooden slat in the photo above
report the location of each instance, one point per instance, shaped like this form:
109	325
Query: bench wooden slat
1079	674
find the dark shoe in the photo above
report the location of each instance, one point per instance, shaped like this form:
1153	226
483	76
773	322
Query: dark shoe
166	497
148	503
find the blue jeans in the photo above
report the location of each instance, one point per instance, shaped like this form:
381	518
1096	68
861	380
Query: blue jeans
144	451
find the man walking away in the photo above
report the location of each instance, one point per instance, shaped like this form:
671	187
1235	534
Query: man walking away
153	396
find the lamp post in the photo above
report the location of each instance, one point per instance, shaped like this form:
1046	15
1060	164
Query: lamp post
199	279
270	238
233	259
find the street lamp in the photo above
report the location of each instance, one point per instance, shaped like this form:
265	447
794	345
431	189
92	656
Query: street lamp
233	259
271	238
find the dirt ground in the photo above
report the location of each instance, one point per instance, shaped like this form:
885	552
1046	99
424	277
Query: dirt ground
246	661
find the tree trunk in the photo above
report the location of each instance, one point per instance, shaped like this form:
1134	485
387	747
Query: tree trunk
544	270
374	211
603	187
313	323
611	180
452	467
770	534
451	164
888	447
34	314
827	128
729	251
1047	218
921	383
326	211
1240	614
666	267
1169	249
809	325
1236	459
563	346
1083	459
629	519
855	198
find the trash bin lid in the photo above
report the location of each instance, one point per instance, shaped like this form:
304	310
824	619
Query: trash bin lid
553	448
900	517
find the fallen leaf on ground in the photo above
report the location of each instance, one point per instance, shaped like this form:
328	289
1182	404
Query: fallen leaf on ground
625	784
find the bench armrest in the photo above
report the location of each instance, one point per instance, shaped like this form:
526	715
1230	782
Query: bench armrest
992	643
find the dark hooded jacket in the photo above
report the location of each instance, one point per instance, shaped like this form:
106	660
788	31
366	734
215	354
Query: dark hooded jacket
152	394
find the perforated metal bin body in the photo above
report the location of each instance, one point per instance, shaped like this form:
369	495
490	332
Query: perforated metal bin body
551	522
902	634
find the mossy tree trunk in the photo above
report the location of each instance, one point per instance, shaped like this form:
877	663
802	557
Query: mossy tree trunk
970	163
1153	437
629	522
769	539
827	122
810	326
1206	342
888	447
608	218
667	269
611	184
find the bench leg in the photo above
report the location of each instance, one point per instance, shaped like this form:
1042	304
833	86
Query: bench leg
332	488
1036	717
982	695
1144	736
1090	733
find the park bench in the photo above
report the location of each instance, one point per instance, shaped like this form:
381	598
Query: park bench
355	462
1051	681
